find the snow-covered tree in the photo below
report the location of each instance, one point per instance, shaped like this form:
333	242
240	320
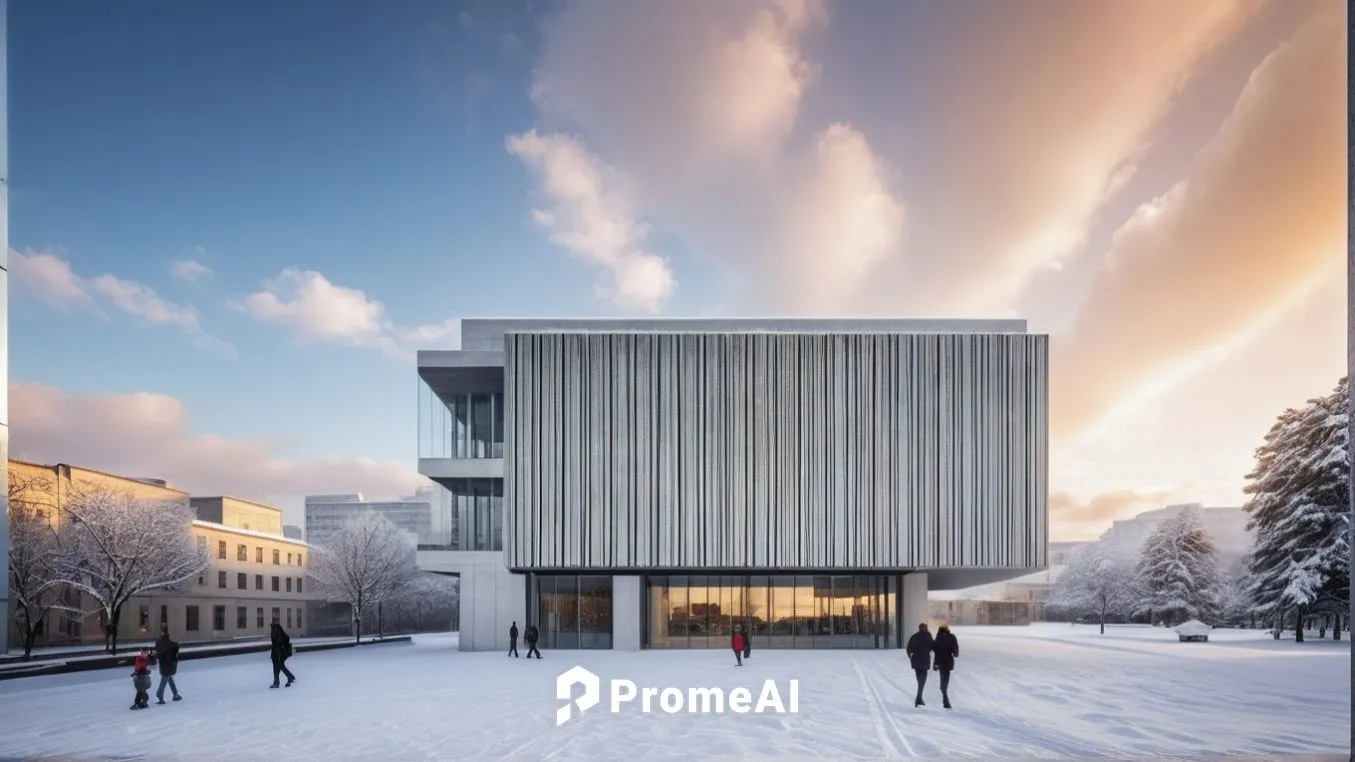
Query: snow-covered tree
367	562
34	584
428	597
1177	575
1300	510
1099	581
1234	595
114	547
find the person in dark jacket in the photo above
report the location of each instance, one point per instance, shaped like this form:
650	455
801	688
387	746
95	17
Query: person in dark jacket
530	637
167	655
513	641
737	642
947	650
919	651
280	652
747	642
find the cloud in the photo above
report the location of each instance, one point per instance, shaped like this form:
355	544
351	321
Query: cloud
1259	216
318	311
1072	518
148	435
699	120
190	270
47	278
50	278
1031	139
591	217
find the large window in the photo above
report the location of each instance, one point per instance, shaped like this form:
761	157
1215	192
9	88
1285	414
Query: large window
461	425
468	515
190	618
218	618
778	611
574	611
241	618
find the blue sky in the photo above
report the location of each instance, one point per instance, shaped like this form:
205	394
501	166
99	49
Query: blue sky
355	175
317	135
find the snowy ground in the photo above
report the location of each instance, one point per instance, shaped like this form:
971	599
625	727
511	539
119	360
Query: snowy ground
1048	691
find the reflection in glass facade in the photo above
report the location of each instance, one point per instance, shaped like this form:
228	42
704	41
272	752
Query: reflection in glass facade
461	426
778	611
467	515
572	611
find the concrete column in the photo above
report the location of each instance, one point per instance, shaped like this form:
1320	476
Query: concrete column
626	592
913	603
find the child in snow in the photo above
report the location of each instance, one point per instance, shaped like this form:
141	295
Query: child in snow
141	679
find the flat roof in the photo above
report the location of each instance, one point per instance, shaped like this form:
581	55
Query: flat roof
486	334
250	533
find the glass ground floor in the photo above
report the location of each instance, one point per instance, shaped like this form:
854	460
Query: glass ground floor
702	611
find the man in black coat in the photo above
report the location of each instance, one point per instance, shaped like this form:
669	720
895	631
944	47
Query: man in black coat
947	650
919	651
280	651
167	656
531	636
513	641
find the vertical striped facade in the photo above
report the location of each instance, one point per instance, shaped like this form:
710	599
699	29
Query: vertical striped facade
841	451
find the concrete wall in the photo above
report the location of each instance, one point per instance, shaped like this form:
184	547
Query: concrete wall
492	598
626	592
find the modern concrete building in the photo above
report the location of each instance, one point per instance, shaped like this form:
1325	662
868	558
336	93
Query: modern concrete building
656	483
293	532
256	574
325	514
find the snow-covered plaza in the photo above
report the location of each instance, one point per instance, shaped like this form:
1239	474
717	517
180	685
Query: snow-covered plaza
1045	691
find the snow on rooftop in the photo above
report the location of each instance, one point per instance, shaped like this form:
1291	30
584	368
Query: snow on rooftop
1050	690
1193	628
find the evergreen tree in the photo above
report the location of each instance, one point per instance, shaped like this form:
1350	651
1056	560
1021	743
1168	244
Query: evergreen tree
1300	511
1178	574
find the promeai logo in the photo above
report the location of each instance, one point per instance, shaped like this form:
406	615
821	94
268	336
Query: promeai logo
564	690
672	700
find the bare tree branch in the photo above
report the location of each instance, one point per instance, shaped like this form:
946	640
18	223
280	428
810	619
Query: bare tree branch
114	547
367	562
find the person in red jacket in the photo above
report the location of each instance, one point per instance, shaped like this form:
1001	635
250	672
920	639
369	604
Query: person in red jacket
141	679
737	641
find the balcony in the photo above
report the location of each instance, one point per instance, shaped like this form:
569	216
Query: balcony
460	425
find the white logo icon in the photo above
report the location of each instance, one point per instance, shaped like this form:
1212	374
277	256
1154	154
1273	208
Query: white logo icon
564	689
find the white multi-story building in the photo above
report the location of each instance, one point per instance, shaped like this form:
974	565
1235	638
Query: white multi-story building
325	514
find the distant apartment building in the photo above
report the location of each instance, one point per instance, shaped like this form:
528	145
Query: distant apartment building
326	514
293	532
256	575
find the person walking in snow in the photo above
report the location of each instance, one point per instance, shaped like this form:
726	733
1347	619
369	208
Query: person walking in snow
737	641
947	650
530	637
513	641
747	642
919	650
141	679
167	655
280	652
